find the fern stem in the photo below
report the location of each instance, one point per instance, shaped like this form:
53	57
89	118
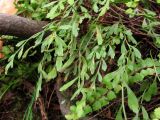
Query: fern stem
124	111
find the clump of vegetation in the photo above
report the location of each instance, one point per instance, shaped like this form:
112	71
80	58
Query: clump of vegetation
101	53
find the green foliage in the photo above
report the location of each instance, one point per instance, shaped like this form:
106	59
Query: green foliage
145	114
132	101
85	59
36	9
156	114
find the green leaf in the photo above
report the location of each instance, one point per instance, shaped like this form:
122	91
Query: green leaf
116	40
96	105
38	87
123	48
121	35
68	63
104	101
151	91
60	46
144	24
98	55
104	65
26	52
41	71
61	5
20	53
116	28
72	108
157	41
39	39
95	8
10	64
75	26
52	74
71	116
119	114
99	77
121	60
130	37
132	101
99	36
104	8
79	109
47	42
76	93
71	2
111	52
118	88
59	63
65	27
136	52
125	76
157	113
87	109
158	1
132	4
150	13
129	4
111	95
129	11
145	114
87	38
108	77
92	65
67	85
49	4
19	44
53	12
84	68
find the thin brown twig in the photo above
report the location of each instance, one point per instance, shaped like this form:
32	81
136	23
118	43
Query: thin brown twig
50	98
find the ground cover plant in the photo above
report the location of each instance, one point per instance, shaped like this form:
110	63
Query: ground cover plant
100	58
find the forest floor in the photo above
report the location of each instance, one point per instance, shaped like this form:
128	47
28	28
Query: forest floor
15	102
